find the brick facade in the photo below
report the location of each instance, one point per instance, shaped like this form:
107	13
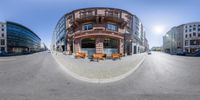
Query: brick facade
100	23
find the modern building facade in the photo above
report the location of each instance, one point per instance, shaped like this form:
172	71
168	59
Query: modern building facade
173	40
183	39
19	39
99	30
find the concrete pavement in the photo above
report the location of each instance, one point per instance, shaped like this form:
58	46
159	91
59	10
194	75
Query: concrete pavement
160	77
103	71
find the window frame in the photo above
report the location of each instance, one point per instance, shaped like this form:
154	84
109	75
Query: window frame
111	28
87	28
3	42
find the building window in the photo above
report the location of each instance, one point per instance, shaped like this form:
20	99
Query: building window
2	42
190	30
2	49
194	29
193	42
190	35
190	26
186	36
199	35
112	27
199	29
185	26
88	43
185	31
186	42
2	35
110	43
88	26
194	34
2	29
2	25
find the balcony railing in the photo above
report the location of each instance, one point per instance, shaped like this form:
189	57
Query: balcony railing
113	16
93	32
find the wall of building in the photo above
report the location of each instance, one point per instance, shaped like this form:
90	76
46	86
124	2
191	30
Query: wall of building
59	35
126	22
3	38
191	40
182	39
171	40
21	39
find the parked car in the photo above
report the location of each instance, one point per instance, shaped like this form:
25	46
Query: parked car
181	54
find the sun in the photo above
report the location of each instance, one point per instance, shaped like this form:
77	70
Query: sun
159	29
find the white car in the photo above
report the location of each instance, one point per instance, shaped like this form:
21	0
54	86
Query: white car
149	52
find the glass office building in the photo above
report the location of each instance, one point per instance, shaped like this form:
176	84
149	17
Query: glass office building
20	39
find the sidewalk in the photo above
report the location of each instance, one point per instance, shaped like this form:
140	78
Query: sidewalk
99	72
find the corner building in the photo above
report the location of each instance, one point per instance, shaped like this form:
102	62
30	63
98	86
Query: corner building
99	30
183	39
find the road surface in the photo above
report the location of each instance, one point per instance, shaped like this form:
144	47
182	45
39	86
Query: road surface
160	77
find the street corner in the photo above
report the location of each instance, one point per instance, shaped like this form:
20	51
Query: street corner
105	71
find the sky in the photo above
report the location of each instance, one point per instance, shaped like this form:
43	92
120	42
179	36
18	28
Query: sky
157	16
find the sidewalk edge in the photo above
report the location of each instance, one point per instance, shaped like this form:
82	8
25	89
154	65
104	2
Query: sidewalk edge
109	80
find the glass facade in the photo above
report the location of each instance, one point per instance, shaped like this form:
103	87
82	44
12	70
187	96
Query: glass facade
59	35
21	39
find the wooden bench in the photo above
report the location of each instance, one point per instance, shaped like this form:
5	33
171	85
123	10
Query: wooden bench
116	56
81	55
98	56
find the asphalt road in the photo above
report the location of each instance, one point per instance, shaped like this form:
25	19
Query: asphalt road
160	77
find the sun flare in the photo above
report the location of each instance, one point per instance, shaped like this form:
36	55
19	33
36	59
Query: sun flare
159	29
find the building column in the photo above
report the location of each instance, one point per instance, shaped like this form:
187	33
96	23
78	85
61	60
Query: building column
68	48
121	46
99	45
77	45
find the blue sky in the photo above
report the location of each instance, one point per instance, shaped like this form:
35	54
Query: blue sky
41	16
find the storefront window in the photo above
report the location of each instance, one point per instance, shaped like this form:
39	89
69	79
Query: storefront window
88	43
110	43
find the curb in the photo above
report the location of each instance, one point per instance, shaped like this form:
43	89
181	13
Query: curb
108	80
6	60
